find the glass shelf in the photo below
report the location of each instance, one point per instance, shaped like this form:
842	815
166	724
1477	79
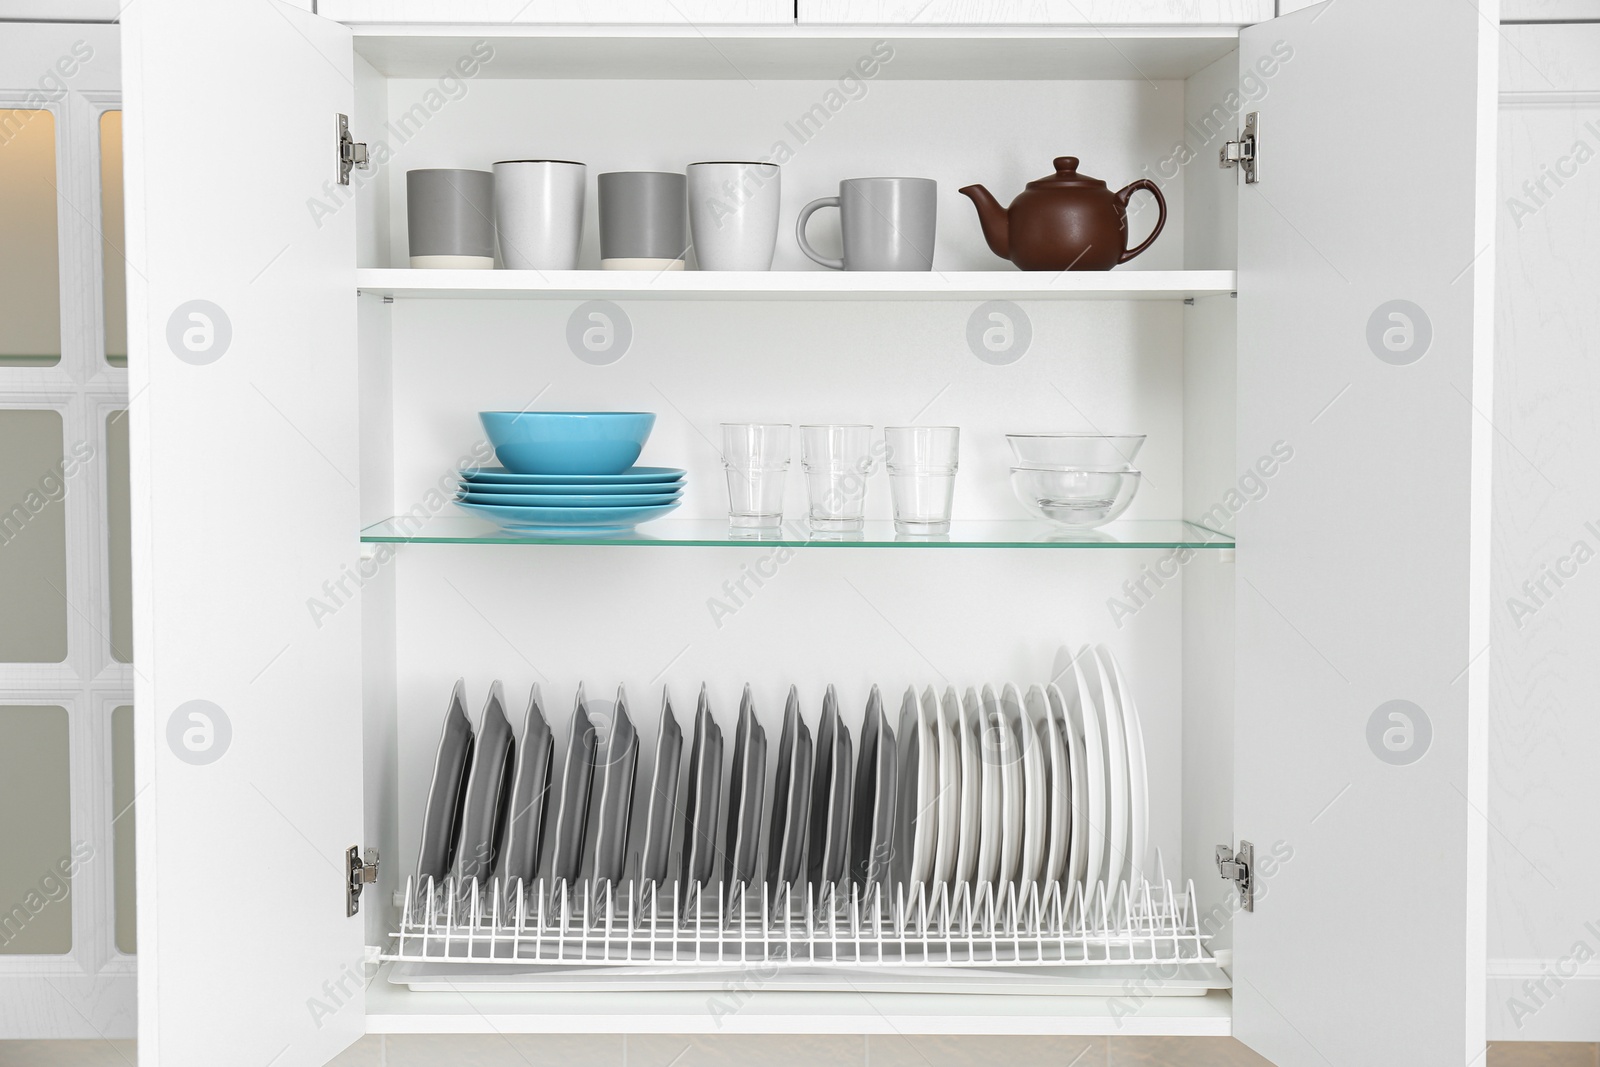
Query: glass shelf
1009	533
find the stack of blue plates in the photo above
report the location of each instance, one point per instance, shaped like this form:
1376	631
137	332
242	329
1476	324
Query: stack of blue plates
573	505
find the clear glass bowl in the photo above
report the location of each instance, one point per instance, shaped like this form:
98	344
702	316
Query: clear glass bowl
1089	450
1079	497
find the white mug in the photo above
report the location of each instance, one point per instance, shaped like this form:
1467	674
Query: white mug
538	213
733	214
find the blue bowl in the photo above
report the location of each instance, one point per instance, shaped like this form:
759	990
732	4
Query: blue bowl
567	442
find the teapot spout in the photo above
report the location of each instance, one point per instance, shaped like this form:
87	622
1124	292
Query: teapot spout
992	217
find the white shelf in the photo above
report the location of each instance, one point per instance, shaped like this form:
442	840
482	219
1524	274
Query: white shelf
796	285
764	53
395	1010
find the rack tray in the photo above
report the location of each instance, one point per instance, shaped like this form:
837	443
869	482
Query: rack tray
797	927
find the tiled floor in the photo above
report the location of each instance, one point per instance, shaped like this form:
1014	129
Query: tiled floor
657	1050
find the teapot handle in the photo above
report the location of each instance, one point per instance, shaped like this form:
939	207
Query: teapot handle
1124	195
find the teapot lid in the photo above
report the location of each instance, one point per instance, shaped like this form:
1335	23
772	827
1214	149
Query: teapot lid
1066	174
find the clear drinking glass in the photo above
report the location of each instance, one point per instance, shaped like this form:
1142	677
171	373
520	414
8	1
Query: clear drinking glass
922	462
837	461
755	456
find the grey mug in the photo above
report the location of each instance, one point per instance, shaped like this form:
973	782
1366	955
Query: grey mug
885	224
450	218
643	220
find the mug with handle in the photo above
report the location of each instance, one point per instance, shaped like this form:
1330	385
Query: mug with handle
885	224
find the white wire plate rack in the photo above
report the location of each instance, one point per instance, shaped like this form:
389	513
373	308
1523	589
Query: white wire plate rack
800	929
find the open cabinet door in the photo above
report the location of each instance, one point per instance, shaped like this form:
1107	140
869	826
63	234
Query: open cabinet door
244	444
1365	287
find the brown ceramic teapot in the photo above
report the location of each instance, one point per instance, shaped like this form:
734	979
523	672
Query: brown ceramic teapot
1067	221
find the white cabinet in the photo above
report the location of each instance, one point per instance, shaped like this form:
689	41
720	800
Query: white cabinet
1096	13
679	13
1331	429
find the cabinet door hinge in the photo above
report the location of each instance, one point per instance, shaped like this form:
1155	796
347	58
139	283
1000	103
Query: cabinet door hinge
352	153
1246	151
361	872
1238	868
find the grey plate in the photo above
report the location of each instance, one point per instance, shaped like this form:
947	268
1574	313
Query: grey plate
791	798
747	788
572	813
616	759
873	816
441	819
704	798
662	804
530	790
488	786
829	849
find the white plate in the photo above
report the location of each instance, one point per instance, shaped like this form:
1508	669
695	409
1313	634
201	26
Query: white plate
1116	768
1138	772
924	849
1059	798
972	792
917	807
1035	788
908	798
991	805
1003	744
1086	724
1077	845
948	727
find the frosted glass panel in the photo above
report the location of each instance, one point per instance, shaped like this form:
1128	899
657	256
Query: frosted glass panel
33	537
36	834
114	274
30	268
122	842
120	563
